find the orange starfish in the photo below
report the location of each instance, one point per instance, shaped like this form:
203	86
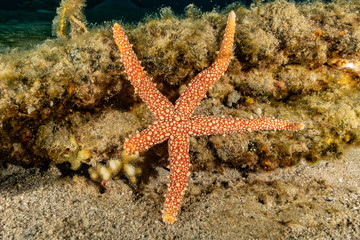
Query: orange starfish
175	123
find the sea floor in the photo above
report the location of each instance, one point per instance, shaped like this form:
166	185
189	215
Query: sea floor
319	201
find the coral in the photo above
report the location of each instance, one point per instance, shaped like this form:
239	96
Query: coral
70	14
113	168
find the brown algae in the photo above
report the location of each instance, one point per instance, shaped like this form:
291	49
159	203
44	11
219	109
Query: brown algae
68	100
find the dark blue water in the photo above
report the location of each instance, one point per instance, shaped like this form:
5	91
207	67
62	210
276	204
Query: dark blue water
25	23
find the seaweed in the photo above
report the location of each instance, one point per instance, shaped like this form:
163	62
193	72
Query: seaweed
69	100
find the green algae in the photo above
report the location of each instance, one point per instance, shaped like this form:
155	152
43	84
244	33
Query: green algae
68	91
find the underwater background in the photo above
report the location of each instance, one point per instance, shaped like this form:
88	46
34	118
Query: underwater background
66	108
24	23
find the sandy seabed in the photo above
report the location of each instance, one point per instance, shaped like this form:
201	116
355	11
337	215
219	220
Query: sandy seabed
319	201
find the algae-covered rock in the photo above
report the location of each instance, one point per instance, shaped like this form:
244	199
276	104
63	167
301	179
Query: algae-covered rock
68	100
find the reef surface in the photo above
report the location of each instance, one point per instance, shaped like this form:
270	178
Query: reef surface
68	100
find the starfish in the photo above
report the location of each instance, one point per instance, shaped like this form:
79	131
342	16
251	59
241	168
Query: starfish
176	124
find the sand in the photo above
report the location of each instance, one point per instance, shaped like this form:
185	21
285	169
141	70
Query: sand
319	201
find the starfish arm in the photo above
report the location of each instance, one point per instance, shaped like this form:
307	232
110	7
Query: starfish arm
159	105
154	134
179	172
202	125
197	89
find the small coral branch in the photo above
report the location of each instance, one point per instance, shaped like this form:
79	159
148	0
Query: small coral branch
113	168
70	12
